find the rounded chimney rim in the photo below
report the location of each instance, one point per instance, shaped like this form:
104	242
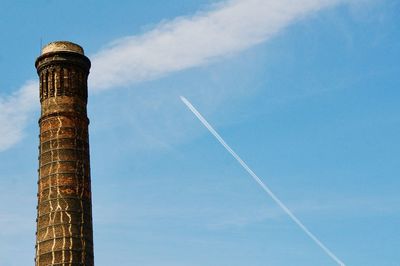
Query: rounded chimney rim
62	46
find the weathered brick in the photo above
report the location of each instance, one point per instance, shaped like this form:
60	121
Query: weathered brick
64	223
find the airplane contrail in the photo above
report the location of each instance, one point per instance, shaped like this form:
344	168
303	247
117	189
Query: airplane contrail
261	183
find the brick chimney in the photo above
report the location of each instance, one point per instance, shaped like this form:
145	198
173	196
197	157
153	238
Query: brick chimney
64	233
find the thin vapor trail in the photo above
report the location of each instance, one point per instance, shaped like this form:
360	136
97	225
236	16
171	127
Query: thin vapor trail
261	183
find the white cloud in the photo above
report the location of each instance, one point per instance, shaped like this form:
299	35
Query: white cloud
185	42
14	113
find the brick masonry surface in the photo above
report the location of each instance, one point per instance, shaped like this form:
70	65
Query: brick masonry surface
64	233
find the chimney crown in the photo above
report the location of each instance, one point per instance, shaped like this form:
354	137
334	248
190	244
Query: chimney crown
62	46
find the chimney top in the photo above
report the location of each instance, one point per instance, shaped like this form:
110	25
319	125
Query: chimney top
59	46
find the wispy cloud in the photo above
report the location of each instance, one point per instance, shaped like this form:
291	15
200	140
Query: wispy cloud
14	113
224	29
185	42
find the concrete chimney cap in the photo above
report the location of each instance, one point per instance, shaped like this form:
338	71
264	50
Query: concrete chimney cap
59	46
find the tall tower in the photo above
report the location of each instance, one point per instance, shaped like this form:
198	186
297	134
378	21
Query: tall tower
64	233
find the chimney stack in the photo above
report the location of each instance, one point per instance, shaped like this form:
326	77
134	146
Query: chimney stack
64	233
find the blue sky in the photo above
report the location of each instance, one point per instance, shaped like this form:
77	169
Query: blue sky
305	91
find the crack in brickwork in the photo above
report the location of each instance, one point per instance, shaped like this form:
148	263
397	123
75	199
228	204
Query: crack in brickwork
64	233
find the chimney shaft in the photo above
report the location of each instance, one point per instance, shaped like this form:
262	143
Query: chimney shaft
64	233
